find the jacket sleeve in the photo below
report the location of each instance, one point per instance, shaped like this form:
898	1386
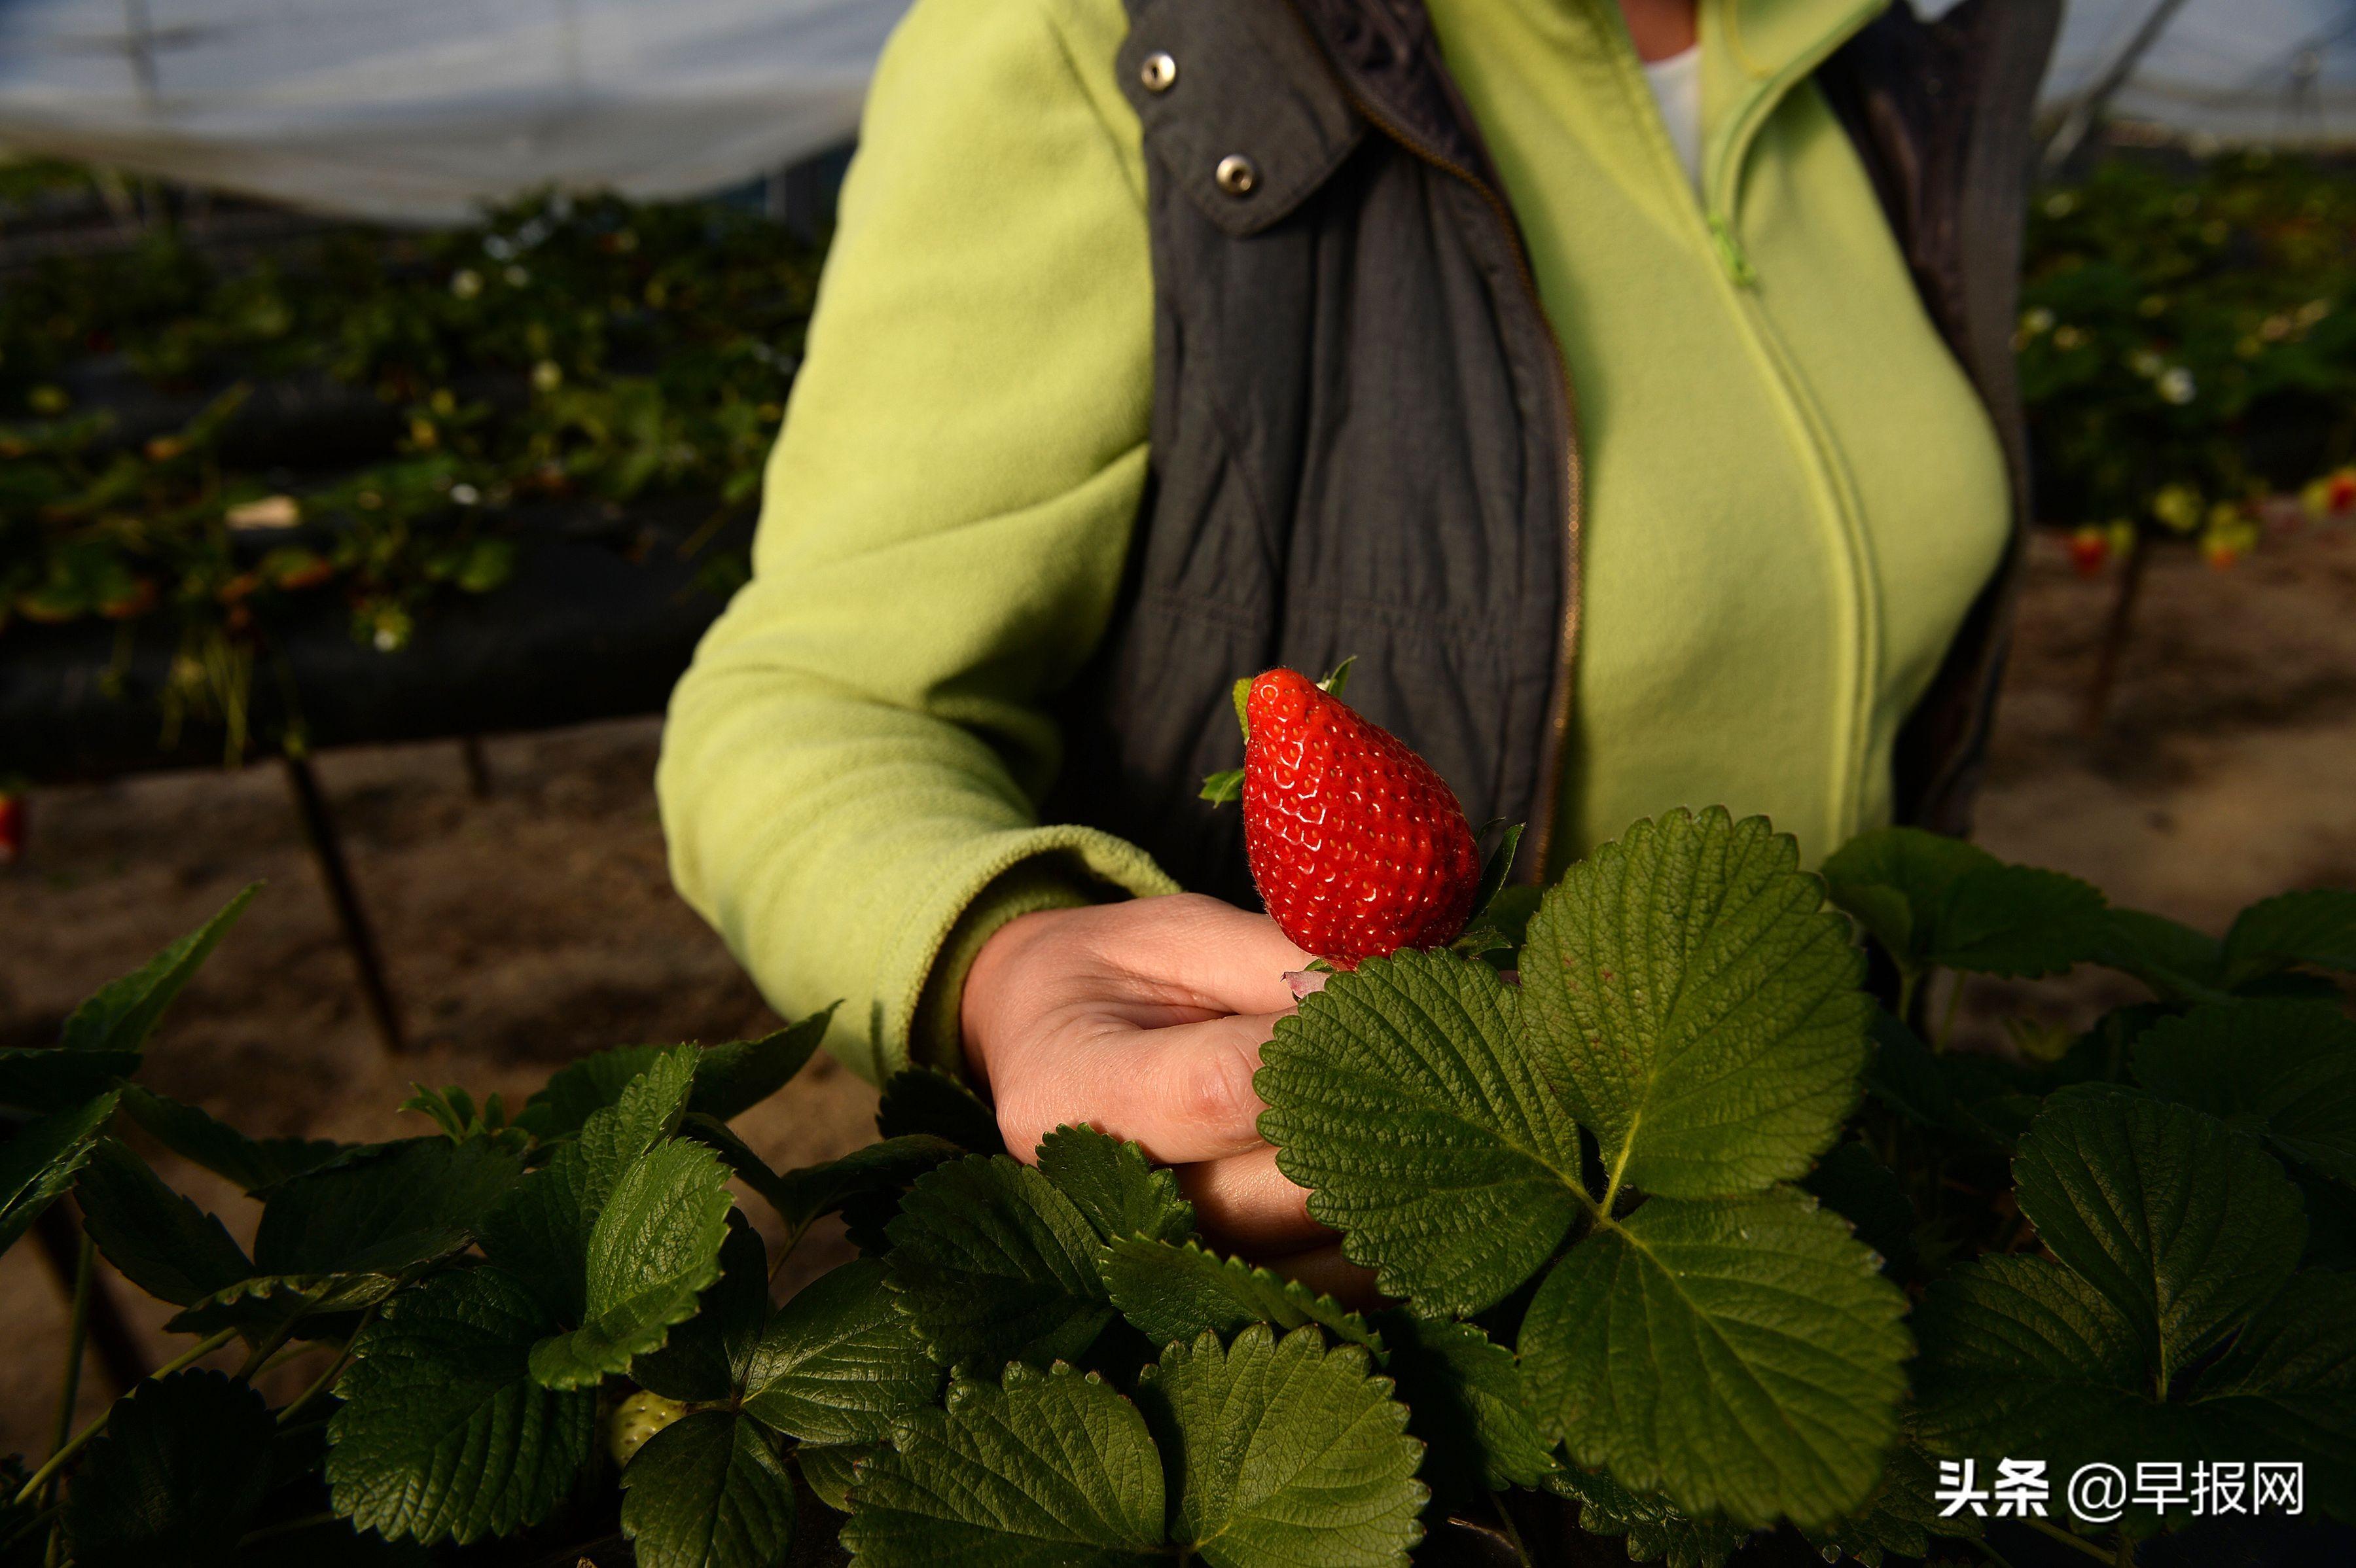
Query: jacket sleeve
851	768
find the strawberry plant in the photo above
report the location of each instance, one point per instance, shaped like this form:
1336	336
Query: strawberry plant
1682	1238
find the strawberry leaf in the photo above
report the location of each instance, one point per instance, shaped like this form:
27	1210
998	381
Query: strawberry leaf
1655	1531
1175	1292
1115	1187
1405	1097
1468	1405
994	1264
1932	900
2184	1226
654	1248
707	1492
1495	869
2284	1071
837	1362
1050	1467
124	1012
1281	1451
1741	1355
927	1099
256	1164
162	1242
442	1433
1900	1518
1700	1009
38	1162
1222	787
705	1360
178	1476
728	1078
2315	926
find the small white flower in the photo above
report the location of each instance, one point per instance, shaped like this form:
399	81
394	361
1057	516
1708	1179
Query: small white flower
2176	384
465	495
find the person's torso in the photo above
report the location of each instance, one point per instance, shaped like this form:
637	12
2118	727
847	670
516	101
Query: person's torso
1792	493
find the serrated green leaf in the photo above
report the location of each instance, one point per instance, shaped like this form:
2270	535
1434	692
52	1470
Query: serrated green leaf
54	1078
2287	1387
1901	1516
837	1362
926	1100
1700	1007
732	1078
442	1433
2316	926
349	1233
2170	957
1466	1404
2021	1355
1281	1451
1177	1293
1116	1189
1740	1355
994	1264
382	1209
728	1078
2020	1351
1932	900
1052	1468
829	1469
707	1492
2183	1225
1860	1189
175	1479
706	1359
540	1232
1655	1531
878	1169
1403	1097
2283	1071
654	1248
124	1012
256	1164
1225	785
158	1239
38	1162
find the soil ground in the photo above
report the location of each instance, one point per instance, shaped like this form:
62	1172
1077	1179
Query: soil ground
523	929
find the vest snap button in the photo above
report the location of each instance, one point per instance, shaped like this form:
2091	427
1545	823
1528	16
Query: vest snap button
1158	72
1237	175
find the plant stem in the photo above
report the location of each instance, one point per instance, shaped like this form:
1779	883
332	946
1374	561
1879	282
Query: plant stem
325	1379
1947	1014
77	1337
2078	1542
263	1349
1505	1517
1910	981
289	1527
74	1446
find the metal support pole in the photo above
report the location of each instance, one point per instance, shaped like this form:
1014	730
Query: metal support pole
478	765
327	853
119	1355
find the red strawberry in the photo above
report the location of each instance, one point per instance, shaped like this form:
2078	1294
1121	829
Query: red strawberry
1356	844
12	827
2090	547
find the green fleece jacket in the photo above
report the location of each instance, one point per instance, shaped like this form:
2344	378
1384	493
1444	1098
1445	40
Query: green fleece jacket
1792	494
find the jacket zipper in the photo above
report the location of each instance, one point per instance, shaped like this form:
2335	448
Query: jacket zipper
1547	805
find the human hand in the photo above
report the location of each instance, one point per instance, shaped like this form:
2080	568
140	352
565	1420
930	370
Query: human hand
1145	1020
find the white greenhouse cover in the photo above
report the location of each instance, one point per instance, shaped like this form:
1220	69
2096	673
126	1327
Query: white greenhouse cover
423	110
2278	71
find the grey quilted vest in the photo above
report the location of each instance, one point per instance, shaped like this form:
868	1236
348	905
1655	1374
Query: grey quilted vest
1362	438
